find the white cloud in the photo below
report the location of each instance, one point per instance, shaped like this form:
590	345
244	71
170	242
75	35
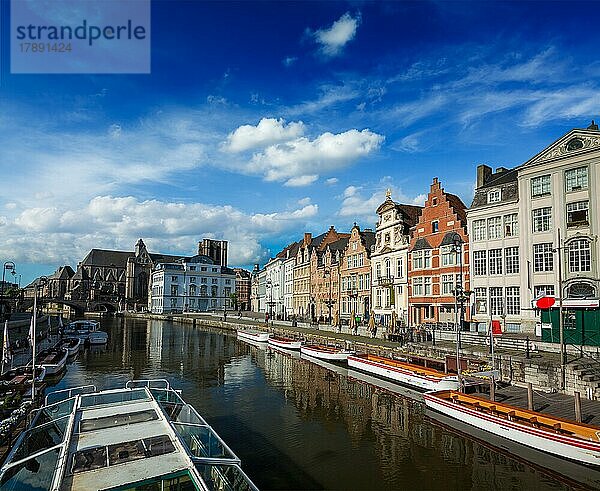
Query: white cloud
331	181
304	201
300	181
304	157
355	204
268	131
117	222
333	39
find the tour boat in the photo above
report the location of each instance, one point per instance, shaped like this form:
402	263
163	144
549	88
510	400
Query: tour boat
86	330
257	336
143	435
72	345
421	378
325	352
286	343
567	439
52	359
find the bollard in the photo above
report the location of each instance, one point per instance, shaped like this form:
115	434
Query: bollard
492	389
577	407
529	396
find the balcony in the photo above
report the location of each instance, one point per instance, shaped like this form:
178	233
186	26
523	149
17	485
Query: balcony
385	280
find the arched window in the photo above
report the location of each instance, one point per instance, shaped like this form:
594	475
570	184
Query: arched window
193	290
581	290
203	291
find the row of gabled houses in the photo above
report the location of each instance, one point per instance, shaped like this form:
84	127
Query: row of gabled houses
530	231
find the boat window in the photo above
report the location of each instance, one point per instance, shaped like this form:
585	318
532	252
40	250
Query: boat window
117	420
89	459
35	473
202	441
41	438
139	449
113	397
164	395
179	481
188	414
55	411
224	477
158	445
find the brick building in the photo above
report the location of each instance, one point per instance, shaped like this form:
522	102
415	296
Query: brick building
243	282
436	264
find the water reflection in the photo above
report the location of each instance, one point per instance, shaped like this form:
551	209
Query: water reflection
297	424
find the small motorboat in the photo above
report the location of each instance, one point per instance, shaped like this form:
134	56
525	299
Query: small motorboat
324	352
252	335
72	345
86	330
567	439
284	342
20	377
414	376
97	337
53	360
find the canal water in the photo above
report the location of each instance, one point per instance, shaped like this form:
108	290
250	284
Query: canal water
299	425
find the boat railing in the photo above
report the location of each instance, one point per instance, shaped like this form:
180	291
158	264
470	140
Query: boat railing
61	395
157	383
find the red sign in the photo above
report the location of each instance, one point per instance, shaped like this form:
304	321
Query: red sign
545	303
496	328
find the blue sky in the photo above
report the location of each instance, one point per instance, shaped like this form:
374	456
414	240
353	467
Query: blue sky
261	121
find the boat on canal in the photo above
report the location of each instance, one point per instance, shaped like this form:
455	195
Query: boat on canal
53	360
71	345
143	435
285	342
323	352
418	377
567	439
253	335
86	330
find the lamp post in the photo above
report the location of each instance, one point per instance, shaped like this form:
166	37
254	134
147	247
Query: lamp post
458	292
42	280
561	327
10	266
329	302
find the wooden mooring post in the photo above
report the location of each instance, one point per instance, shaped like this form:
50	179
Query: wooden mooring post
577	407
529	396
492	389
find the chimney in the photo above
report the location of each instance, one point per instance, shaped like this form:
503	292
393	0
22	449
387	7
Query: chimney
307	238
484	172
593	126
500	170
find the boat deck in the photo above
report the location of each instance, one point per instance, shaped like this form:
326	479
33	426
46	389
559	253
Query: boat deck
417	369
523	416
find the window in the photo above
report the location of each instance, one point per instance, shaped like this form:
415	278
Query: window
512	327
388	268
213	291
494	228
580	257
202	280
400	267
577	213
480	263
435	226
481	300
448	256
543	257
427	259
417	284
421	259
493	196
378	298
228	282
495	261
174	290
576	179
496	303
513	304
511	260
447	284
214	280
427	285
203	268
542	219
192	279
511	225
540	186
378	270
541	290
174	279
479	230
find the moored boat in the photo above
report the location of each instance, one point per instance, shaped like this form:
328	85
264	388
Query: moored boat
21	376
86	330
284	342
567	439
325	352
415	376
72	345
253	335
143	435
53	360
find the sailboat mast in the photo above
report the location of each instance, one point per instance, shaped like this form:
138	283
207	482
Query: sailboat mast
33	323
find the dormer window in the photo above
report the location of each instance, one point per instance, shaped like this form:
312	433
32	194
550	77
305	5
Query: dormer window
493	196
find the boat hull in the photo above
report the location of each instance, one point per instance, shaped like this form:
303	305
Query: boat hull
403	375
56	367
72	350
576	449
338	355
256	336
291	344
97	337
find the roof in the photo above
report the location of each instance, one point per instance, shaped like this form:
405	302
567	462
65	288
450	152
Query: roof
421	243
459	207
291	248
338	245
411	213
368	238
102	257
62	273
503	177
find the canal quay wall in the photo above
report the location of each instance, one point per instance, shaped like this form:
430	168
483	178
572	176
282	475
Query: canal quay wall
542	368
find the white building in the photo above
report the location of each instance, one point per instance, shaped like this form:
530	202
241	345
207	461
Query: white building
274	287
192	285
514	223
389	260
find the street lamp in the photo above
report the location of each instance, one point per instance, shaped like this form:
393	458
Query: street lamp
10	266
329	302
270	285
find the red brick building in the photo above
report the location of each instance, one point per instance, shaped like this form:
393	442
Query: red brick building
435	259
